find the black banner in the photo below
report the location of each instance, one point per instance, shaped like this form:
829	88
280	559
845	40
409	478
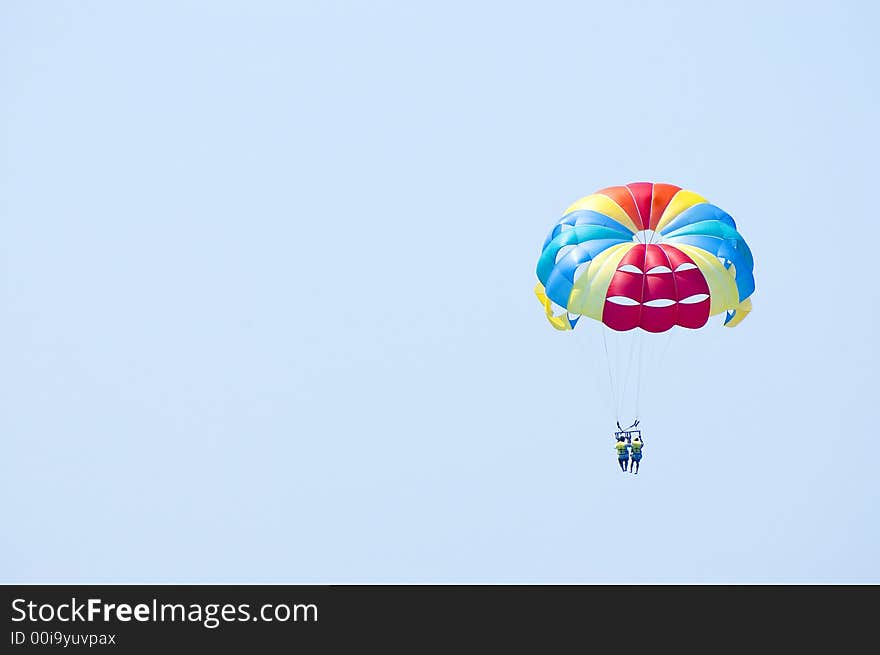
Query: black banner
157	618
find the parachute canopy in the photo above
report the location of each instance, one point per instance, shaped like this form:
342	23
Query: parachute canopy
645	255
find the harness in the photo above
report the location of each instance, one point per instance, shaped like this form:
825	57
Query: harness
626	436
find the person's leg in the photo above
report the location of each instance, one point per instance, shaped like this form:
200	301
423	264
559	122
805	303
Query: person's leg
637	467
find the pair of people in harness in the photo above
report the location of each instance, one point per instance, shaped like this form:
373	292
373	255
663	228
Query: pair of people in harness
629	451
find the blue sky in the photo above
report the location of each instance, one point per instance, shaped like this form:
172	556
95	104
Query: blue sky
267	307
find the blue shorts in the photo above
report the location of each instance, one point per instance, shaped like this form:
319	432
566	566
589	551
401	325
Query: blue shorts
623	457
637	457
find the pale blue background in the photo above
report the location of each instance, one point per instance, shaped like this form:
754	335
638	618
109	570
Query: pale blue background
267	310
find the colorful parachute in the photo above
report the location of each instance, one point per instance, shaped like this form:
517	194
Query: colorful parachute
649	256
645	255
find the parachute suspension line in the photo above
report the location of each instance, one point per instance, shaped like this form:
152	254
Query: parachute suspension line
641	366
651	357
614	401
626	356
618	372
630	374
665	349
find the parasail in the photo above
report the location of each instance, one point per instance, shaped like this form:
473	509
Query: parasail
644	257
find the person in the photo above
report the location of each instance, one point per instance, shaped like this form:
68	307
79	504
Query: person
622	454
637	445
